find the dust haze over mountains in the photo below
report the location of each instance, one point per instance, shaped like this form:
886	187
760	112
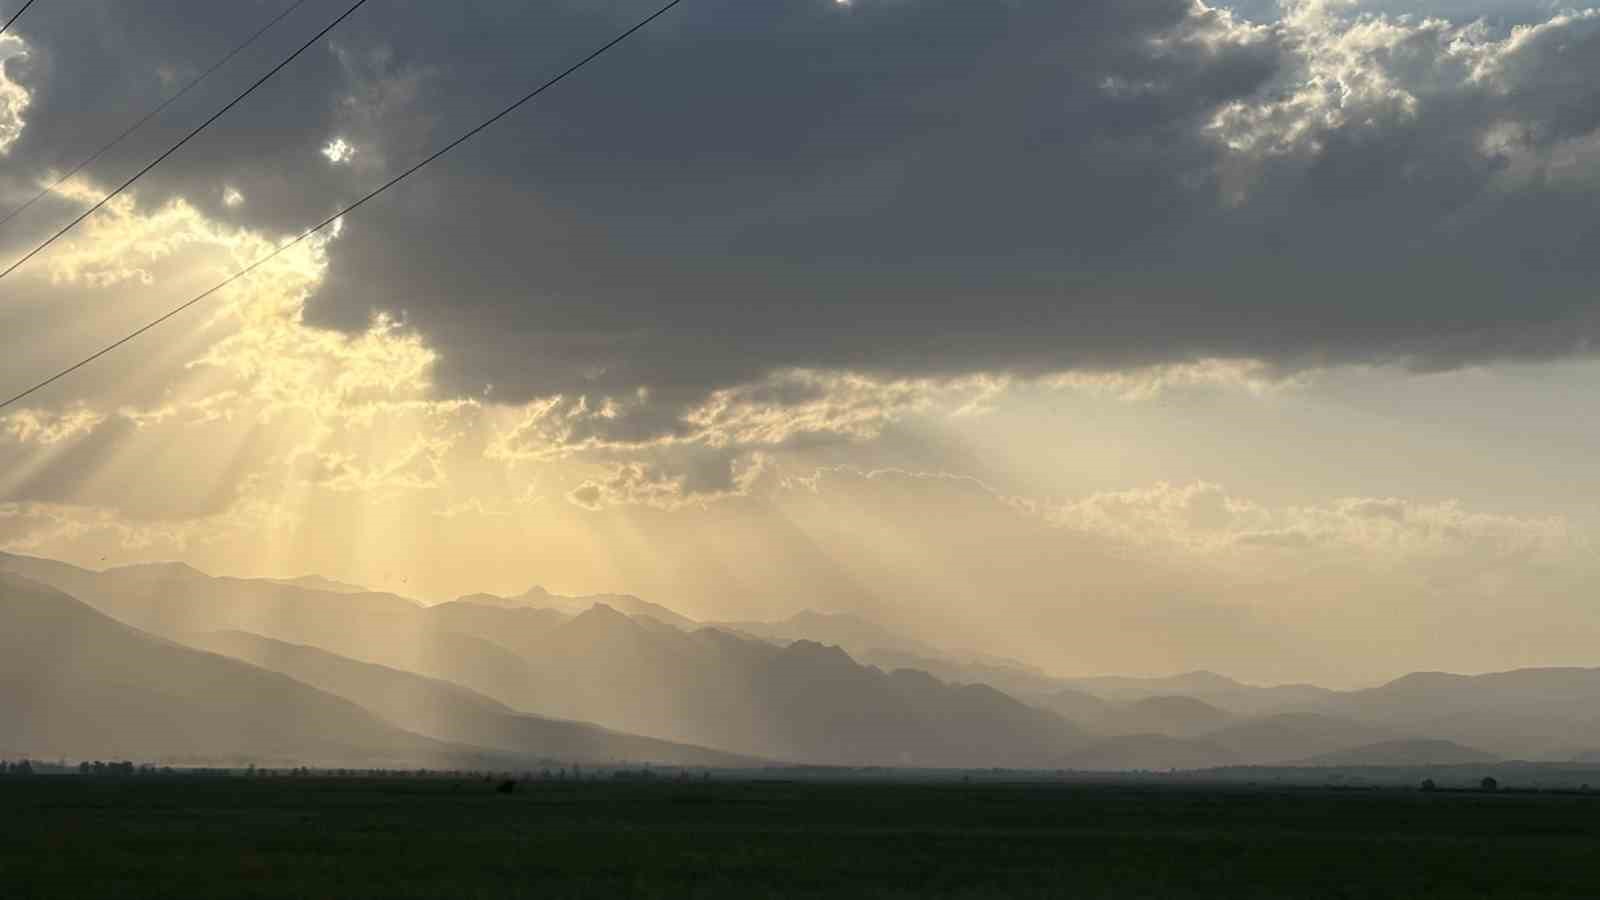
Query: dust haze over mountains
166	663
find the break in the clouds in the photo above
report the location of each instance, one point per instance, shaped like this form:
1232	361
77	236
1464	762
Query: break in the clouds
929	189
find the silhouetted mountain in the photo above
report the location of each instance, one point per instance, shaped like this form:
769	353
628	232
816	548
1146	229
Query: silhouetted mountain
873	644
1126	687
520	629
633	674
807	701
1079	707
1170	716
74	682
1015	678
1287	737
1164	716
851	632
1217	690
538	598
1149	752
1525	713
174	600
771	690
318	583
449	712
1415	752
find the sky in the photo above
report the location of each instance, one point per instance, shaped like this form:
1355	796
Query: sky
1130	336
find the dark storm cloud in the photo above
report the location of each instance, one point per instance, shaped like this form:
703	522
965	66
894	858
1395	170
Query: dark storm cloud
914	186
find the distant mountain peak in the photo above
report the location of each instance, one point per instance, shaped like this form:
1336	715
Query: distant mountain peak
162	570
812	651
601	614
321	583
813	615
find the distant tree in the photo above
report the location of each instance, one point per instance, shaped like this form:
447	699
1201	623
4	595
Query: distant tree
84	768
1428	785
507	787
1489	783
22	768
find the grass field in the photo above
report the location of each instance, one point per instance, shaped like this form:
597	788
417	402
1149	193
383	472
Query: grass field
313	837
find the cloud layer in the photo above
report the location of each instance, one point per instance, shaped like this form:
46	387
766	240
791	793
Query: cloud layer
929	189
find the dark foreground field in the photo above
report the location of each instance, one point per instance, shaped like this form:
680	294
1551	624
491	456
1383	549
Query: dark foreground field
308	837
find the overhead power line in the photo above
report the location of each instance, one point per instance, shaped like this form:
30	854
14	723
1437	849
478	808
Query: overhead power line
281	248
92	158
186	138
15	16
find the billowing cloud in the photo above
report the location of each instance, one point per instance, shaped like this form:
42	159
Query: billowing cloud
14	98
1204	518
46	427
706	480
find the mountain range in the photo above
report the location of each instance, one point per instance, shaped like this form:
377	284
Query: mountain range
75	682
164	661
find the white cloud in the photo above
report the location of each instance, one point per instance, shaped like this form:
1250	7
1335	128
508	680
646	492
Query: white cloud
14	98
1204	519
1355	72
46	427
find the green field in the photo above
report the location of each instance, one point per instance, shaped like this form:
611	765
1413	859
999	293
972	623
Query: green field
315	837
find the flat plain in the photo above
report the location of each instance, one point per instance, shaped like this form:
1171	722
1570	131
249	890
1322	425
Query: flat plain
226	837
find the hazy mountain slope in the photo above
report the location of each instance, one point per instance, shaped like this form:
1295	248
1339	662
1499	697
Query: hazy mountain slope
851	632
1170	716
319	583
1524	713
1287	737
538	598
1014	678
805	702
520	629
906	716
68	579
633	674
450	712
1217	690
174	600
74	682
1415	752
1076	706
1438	694
1127	688
1167	716
873	644
170	598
